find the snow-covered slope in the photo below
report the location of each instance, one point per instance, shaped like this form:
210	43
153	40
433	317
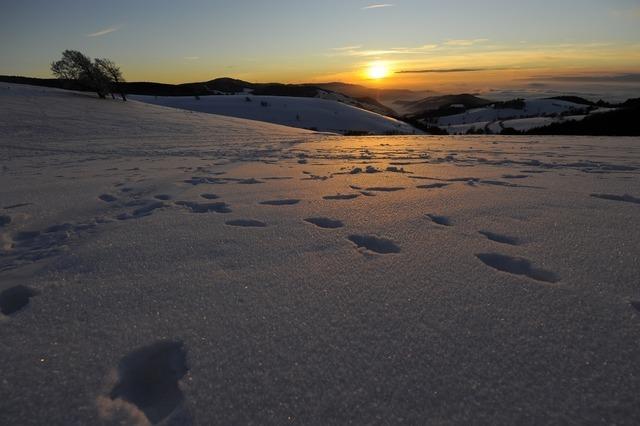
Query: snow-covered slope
308	113
536	113
532	108
177	268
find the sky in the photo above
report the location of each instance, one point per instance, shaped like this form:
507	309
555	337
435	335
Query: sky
418	44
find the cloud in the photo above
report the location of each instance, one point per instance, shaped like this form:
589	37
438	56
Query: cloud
448	70
612	78
104	32
346	48
465	43
378	6
631	13
191	58
358	51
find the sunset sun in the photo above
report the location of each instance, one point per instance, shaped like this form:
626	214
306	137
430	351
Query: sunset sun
378	71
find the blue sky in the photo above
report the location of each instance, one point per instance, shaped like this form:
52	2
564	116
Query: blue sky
286	40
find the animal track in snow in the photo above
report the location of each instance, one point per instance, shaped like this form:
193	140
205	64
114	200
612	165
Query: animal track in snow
218	207
375	244
15	298
247	223
341	197
149	379
624	198
498	238
517	266
287	202
324	222
440	220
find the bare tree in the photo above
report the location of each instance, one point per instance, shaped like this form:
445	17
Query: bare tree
76	66
111	70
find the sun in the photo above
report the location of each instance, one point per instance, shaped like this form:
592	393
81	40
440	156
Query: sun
378	70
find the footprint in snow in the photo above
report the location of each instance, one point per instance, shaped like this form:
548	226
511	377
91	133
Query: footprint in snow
385	189
624	198
374	244
250	181
324	222
107	198
217	207
341	197
15	298
514	176
433	186
209	196
517	266
149	379
499	238
287	202
440	220
145	210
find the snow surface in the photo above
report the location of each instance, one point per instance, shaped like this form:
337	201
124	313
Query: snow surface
174	267
324	115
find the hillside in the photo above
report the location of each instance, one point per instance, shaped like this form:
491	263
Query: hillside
444	104
622	122
363	98
326	115
516	115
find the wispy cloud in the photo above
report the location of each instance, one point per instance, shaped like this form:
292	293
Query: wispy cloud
104	32
378	6
358	51
465	43
191	58
612	78
346	48
631	13
449	70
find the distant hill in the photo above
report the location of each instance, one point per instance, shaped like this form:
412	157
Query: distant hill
574	99
445	102
619	122
381	95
